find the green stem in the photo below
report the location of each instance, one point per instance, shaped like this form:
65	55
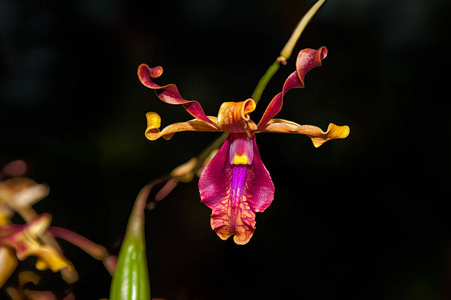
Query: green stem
257	94
131	278
289	46
286	51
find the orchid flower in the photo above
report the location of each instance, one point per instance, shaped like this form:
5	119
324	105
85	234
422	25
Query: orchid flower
236	184
22	241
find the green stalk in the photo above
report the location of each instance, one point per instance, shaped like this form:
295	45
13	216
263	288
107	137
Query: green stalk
289	46
131	278
257	94
286	52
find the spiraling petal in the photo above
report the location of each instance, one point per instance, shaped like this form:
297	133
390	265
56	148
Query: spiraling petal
234	116
154	122
317	136
307	59
169	93
235	193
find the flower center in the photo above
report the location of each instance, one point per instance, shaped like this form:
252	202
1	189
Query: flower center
241	150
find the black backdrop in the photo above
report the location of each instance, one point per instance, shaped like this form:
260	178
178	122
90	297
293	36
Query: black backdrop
361	218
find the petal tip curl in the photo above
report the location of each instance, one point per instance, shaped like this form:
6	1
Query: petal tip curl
153	126
333	132
145	73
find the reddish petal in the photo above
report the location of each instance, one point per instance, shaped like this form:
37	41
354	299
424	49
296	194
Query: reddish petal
215	179
215	192
235	193
259	186
169	93
307	60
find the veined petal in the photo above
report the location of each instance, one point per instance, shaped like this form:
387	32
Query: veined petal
169	93
215	192
307	59
317	136
235	193
154	121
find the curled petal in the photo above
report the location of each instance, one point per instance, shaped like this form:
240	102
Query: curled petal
235	193
307	59
317	136
169	93
234	116
154	121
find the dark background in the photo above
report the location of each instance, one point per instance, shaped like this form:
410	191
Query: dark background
361	218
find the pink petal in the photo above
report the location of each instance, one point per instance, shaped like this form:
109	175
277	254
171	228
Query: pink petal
260	188
235	193
215	179
307	60
169	93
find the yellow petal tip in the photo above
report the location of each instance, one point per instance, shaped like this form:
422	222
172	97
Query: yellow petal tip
333	132
153	124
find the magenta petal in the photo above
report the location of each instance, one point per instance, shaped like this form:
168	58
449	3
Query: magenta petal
307	59
259	186
215	179
169	93
235	193
229	215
